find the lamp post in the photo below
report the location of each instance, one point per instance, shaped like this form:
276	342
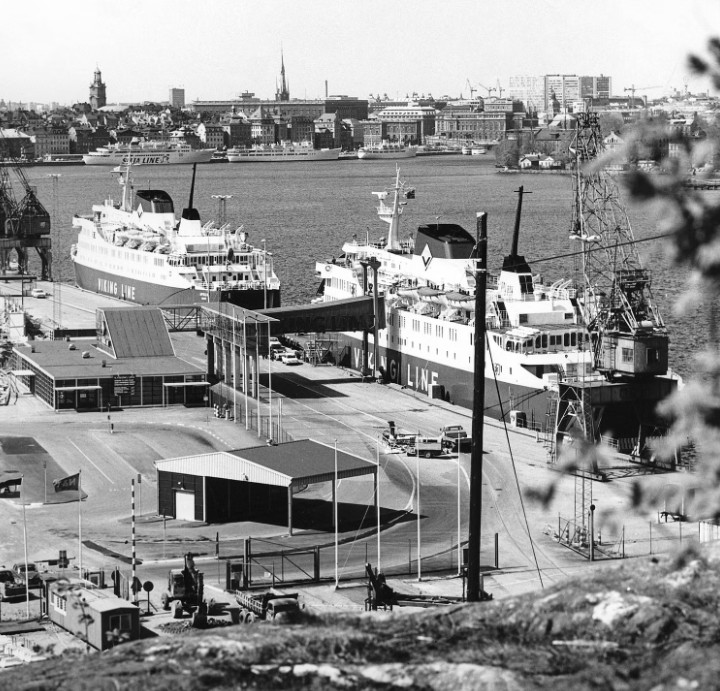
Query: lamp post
264	274
56	276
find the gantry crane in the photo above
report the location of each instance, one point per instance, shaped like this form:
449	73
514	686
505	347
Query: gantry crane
628	335
23	223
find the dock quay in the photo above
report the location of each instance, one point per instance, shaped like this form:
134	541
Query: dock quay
332	406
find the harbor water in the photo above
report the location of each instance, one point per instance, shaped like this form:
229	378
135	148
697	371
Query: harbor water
306	211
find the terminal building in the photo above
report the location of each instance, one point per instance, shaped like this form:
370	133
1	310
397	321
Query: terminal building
130	363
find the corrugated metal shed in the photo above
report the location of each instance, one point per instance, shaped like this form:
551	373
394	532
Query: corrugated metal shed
223	465
138	332
299	462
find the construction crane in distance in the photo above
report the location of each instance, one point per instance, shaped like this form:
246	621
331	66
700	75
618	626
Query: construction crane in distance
499	89
632	89
472	89
489	90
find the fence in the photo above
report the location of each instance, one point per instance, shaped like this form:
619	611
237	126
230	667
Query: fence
619	542
223	407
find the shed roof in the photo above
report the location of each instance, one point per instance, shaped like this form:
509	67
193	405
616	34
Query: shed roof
295	463
58	361
137	332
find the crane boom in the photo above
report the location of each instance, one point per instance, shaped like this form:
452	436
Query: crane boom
628	334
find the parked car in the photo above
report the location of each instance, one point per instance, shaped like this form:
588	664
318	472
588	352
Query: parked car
38	293
6	576
18	571
290	359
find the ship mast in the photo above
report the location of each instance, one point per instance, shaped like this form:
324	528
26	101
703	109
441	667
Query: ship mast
391	214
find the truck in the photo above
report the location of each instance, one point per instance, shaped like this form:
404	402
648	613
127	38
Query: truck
427	447
185	586
455	438
266	606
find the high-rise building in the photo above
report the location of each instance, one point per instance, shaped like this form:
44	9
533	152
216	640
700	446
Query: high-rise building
528	89
596	87
177	98
98	98
565	88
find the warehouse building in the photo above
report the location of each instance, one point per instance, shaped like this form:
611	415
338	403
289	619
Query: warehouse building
251	484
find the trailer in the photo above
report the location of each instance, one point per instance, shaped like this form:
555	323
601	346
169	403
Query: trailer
381	596
266	606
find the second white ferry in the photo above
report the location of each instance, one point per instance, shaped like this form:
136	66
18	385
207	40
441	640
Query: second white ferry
282	153
386	150
138	251
147	153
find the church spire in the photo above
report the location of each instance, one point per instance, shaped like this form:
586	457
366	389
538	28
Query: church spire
282	93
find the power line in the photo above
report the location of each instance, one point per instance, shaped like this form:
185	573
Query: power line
601	249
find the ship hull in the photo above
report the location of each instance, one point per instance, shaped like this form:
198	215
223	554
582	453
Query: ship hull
376	155
285	157
452	384
147	158
146	293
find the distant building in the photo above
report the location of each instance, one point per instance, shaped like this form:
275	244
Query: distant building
409	123
177	98
528	89
282	92
566	88
98	98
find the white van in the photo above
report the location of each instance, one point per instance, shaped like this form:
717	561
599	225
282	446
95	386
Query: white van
38	293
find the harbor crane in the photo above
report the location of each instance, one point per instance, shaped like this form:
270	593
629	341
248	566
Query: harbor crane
24	223
632	89
628	335
499	89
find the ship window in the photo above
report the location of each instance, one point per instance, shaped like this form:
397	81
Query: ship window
627	354
566	340
537	342
522	319
573	339
544	341
653	356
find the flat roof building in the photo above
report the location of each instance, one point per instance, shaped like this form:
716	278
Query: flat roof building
131	363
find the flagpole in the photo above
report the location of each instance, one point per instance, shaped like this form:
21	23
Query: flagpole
80	523
27	575
335	516
377	485
419	548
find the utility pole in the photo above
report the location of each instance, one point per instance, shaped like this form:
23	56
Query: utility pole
474	530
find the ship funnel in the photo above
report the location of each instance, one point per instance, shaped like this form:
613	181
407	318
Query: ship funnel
514	262
190	218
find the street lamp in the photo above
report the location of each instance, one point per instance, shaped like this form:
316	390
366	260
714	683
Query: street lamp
264	274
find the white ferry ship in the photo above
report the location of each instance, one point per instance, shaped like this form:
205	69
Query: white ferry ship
534	332
140	252
282	153
386	150
147	153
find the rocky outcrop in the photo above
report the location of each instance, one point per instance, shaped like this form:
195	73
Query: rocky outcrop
645	625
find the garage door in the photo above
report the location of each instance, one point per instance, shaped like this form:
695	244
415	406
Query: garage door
185	506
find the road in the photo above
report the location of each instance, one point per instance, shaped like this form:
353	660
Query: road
323	403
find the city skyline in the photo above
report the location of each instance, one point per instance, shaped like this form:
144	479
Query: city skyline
387	48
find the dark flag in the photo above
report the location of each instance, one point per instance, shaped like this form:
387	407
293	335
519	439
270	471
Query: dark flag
10	489
71	482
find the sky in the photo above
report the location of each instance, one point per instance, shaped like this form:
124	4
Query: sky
216	49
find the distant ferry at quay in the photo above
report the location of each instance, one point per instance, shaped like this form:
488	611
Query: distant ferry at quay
147	153
387	150
282	153
140	252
